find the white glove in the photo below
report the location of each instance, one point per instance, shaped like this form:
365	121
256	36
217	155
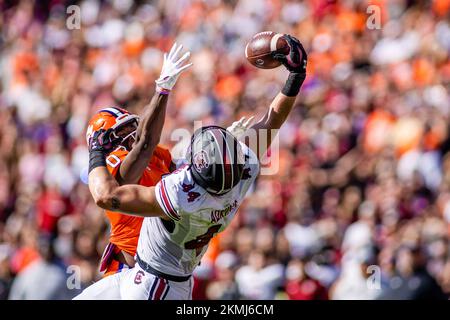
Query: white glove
172	68
238	128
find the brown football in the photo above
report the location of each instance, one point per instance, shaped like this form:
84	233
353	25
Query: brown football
259	50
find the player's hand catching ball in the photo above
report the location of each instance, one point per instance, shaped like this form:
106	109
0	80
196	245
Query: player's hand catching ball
297	58
173	66
295	61
103	141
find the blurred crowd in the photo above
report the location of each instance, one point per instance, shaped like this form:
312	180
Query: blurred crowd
359	206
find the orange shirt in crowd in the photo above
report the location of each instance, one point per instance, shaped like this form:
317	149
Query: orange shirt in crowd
377	131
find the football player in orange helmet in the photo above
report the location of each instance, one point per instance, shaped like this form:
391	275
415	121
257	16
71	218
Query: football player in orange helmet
138	159
189	197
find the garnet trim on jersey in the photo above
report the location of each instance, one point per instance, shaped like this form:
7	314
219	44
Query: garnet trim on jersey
159	289
167	204
216	159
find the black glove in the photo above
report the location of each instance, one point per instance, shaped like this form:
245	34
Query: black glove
103	140
297	58
295	62
101	143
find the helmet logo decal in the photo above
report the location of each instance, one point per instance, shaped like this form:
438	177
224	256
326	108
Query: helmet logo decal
200	160
89	132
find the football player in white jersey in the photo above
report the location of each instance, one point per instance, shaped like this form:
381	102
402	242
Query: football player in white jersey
192	204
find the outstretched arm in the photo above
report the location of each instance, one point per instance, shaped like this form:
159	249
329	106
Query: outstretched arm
267	127
147	137
152	121
107	194
129	199
281	106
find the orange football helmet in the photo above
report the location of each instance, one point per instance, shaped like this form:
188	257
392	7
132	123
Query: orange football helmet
114	118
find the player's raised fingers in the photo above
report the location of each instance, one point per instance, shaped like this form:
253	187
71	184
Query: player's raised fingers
184	58
184	67
241	120
249	121
172	50
176	53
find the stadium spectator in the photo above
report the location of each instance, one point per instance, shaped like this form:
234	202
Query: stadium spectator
43	279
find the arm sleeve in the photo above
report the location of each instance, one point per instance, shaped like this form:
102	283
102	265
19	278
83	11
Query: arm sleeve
167	193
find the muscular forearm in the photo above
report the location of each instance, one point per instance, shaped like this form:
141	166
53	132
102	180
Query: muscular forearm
281	106
149	130
130	199
102	185
279	110
148	136
268	126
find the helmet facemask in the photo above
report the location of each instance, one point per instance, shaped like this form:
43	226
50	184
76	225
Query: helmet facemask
122	122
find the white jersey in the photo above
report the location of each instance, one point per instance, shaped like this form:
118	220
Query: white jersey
197	217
